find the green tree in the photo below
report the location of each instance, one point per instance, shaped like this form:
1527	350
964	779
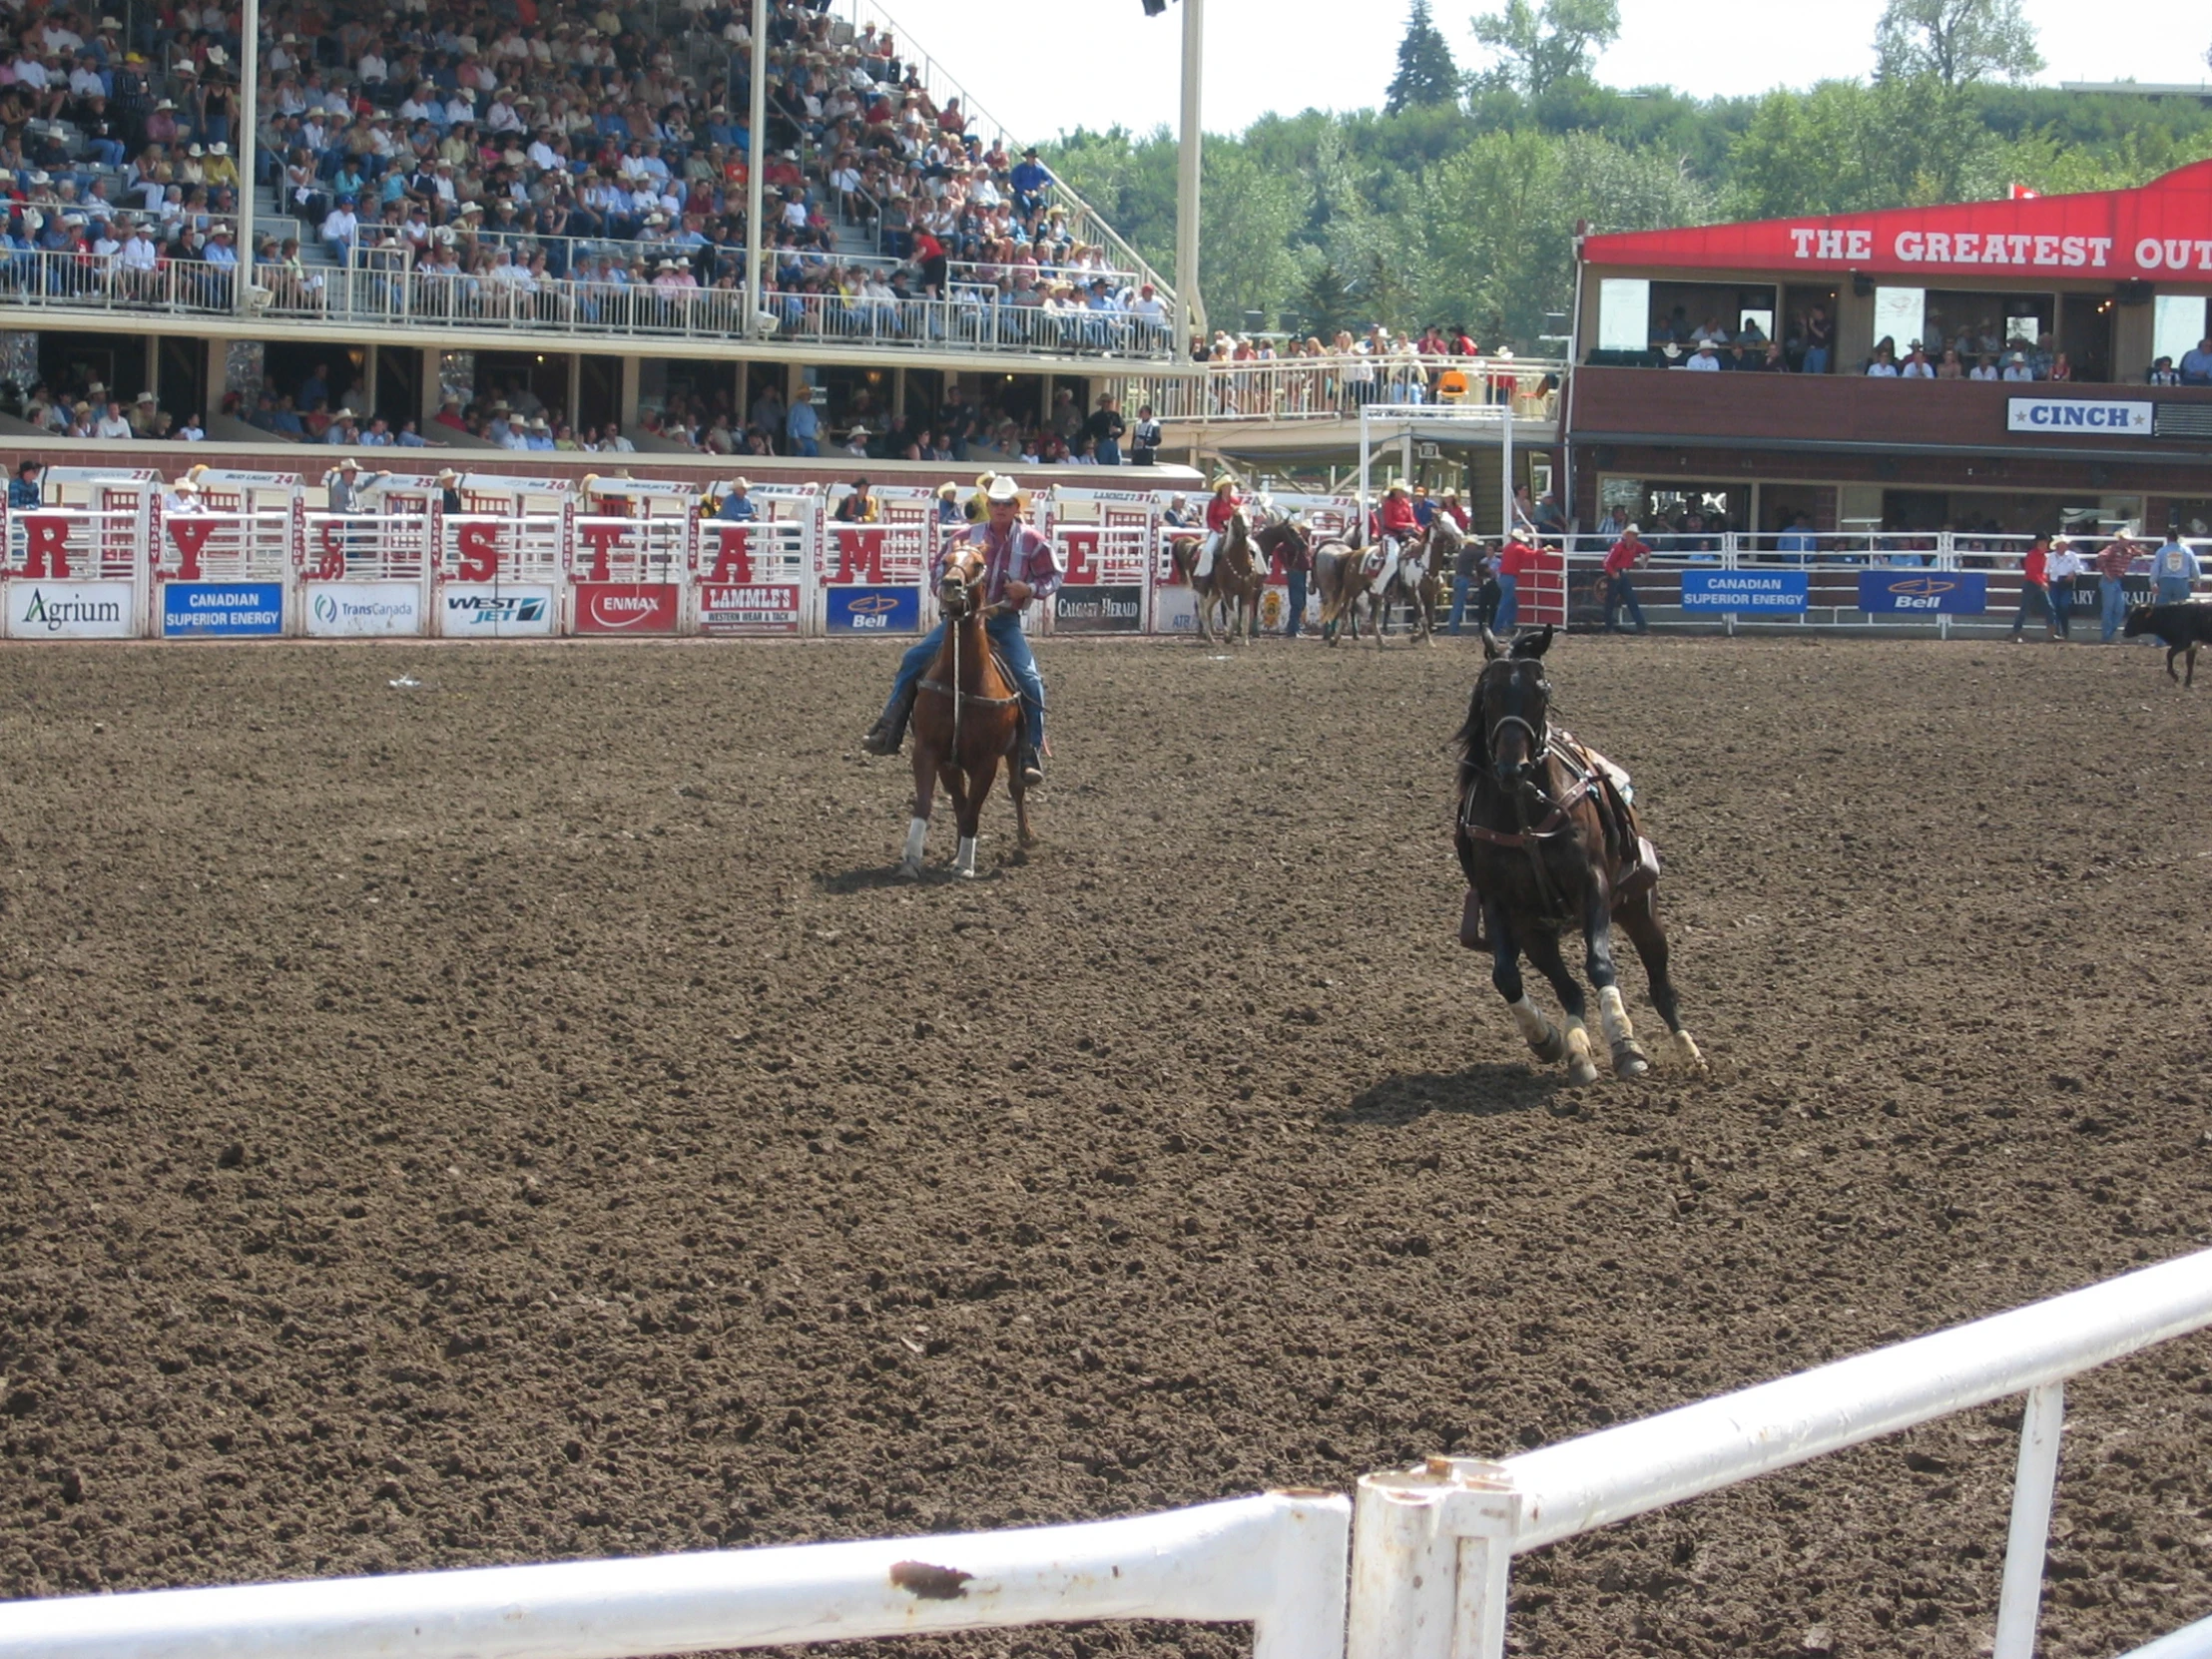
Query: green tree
1248	215
1426	76
1542	44
1956	42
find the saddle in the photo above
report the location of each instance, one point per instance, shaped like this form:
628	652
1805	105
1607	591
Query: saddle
1633	860
1370	563
1005	672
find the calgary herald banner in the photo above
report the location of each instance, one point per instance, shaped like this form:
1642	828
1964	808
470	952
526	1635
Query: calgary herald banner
2161	228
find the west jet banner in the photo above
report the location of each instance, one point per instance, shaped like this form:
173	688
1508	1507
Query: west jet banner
2157	231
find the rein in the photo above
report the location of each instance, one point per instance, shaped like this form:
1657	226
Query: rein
959	695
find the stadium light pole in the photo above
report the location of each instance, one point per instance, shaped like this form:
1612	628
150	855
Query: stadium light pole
1190	312
248	153
756	151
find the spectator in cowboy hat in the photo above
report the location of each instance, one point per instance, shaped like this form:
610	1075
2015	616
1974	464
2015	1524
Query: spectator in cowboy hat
859	508
737	503
855	442
449	494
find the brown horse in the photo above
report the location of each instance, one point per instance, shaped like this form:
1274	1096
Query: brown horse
968	718
1348	587
1548	840
1232	587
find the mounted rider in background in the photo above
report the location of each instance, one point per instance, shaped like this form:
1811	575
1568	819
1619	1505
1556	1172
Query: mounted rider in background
1219	513
1400	525
1020	565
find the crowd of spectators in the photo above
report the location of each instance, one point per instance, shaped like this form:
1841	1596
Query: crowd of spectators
2020	348
536	154
1262	376
117	150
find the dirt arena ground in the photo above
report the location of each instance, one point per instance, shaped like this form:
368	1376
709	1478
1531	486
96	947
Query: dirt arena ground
517	1116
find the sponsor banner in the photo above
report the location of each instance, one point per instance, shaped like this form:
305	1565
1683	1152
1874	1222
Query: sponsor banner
495	610
1174	610
1744	590
872	610
222	610
2089	416
1928	592
68	610
759	608
2153	233
363	610
1109	609
2088	591
626	607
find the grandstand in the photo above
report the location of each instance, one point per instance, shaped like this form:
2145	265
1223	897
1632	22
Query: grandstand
417	215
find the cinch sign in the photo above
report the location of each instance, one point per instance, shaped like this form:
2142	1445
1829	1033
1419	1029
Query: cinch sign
1744	590
2075	414
1925	592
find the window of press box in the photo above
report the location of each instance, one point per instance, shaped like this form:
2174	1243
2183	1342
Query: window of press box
1638	318
1982	325
2177	325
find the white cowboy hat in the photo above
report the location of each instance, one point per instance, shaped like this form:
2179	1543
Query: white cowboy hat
1396	487
737	484
1003	489
447	476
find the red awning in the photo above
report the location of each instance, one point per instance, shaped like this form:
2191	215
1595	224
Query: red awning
2162	231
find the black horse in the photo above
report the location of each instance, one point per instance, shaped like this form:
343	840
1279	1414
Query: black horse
1547	839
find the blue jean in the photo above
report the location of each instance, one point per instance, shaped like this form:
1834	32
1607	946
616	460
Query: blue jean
1508	604
1460	585
1816	360
1620	596
2173	590
805	446
2061	606
1108	452
1005	633
1297	605
2112	605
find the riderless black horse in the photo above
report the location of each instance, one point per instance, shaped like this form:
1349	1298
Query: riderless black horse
1548	837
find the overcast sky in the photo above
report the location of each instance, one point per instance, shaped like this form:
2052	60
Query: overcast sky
1057	65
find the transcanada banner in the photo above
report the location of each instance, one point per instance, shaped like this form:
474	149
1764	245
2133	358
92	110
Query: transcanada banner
2075	414
1744	590
363	610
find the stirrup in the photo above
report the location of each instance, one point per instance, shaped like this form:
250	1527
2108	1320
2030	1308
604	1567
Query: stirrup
885	738
1032	766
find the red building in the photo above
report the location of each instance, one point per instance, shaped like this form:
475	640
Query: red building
2032	403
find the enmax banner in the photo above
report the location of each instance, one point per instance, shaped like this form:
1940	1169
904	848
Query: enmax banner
1924	592
1744	590
222	610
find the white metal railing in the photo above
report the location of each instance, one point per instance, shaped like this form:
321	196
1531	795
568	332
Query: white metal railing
525	304
1969	580
1434	1546
1275	1561
47	278
1338	387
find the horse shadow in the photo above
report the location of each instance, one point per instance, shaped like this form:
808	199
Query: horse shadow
876	877
1488	1090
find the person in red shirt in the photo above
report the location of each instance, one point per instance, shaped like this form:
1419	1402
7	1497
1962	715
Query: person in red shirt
1620	595
1449	503
1400	525
1219	513
2035	588
1513	560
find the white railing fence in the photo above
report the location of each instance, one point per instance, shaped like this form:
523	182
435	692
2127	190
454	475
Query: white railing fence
1274	1561
1434	1546
1336	387
1430	1551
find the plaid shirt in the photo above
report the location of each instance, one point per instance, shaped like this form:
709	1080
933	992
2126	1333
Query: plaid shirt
2114	557
1022	555
22	493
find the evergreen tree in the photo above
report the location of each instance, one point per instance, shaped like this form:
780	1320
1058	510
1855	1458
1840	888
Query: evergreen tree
1426	76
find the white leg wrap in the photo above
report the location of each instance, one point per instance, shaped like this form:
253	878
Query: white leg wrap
1580	1066
1613	1017
1536	1030
963	862
918	838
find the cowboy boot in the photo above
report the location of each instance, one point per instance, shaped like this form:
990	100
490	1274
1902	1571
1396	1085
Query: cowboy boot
889	733
1032	764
